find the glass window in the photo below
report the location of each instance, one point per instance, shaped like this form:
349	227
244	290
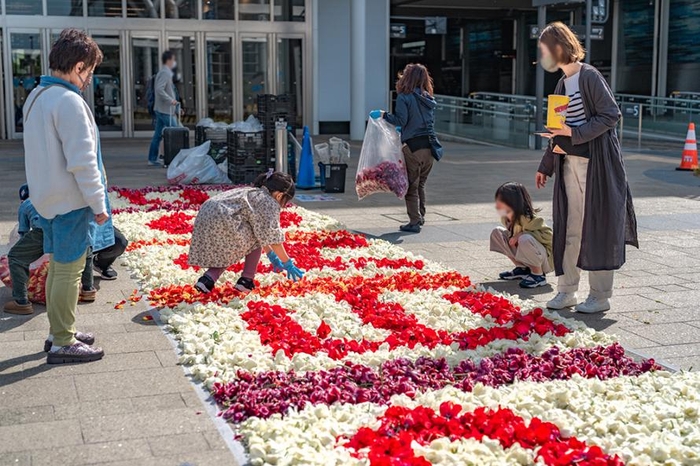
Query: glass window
254	10
289	72
24	7
219	85
290	10
143	8
65	7
219	9
26	70
255	62
145	64
107	87
185	76
182	9
636	47
109	8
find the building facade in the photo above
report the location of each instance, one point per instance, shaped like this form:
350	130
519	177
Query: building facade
228	52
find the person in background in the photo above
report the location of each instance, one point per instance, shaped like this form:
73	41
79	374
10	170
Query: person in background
526	240
164	105
415	115
29	249
593	213
241	223
63	165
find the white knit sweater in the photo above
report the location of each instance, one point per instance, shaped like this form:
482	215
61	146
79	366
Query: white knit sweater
60	153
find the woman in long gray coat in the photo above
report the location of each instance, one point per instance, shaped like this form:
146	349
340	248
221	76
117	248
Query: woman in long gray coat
593	214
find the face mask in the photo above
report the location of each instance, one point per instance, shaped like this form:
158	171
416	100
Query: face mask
502	213
548	63
174	65
84	83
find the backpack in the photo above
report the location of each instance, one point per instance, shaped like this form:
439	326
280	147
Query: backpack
151	95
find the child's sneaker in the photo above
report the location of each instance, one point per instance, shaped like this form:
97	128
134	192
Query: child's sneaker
246	285
205	284
518	272
533	281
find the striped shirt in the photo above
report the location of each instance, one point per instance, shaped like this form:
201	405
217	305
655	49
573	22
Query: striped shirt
575	116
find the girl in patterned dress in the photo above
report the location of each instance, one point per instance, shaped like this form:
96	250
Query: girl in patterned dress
241	223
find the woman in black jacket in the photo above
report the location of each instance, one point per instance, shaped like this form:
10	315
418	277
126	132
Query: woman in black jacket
593	213
415	115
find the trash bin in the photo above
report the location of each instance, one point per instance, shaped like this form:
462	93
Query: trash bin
333	177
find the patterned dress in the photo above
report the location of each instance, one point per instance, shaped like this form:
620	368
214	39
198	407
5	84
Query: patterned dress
232	225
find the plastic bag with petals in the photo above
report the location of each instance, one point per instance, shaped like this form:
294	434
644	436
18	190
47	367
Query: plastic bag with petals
382	168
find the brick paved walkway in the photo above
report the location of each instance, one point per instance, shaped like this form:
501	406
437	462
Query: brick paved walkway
137	406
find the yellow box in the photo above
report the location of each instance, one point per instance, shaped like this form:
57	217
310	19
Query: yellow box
556	110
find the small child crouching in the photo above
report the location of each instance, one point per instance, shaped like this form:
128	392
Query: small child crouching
526	240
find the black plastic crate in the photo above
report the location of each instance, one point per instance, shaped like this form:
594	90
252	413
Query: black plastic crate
245	174
270	103
251	158
239	140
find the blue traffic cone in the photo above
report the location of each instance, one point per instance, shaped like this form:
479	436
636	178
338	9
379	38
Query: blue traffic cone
307	174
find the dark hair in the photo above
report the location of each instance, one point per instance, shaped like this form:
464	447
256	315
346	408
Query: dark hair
414	76
515	196
559	34
277	182
72	47
23	192
167	56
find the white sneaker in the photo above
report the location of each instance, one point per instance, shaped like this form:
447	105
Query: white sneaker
562	300
593	304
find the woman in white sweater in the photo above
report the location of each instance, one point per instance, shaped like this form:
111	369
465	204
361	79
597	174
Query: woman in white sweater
66	184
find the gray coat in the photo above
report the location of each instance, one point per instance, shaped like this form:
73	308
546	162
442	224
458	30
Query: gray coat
164	91
609	221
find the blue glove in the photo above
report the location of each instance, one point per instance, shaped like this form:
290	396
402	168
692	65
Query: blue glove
275	261
398	129
293	272
375	114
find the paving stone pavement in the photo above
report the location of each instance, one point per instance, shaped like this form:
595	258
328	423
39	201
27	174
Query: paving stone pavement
136	407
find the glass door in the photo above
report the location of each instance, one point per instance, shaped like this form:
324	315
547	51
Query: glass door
3	131
108	105
219	66
254	71
290	72
145	63
25	60
184	47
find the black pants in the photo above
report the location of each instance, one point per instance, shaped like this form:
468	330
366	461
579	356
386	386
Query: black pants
104	258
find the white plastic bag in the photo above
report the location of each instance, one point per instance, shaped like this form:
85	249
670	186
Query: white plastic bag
339	150
195	166
382	168
323	153
250	125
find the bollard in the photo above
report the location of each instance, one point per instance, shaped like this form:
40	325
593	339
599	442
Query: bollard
281	141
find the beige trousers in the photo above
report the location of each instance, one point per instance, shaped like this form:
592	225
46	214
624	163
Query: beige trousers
528	253
601	282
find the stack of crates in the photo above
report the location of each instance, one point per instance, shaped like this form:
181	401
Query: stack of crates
247	156
271	109
218	137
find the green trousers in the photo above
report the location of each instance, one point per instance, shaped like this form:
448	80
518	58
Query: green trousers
62	288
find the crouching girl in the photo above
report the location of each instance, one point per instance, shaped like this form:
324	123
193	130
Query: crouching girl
241	223
526	240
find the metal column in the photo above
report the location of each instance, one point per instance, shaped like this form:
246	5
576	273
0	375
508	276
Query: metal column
357	65
539	123
589	23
